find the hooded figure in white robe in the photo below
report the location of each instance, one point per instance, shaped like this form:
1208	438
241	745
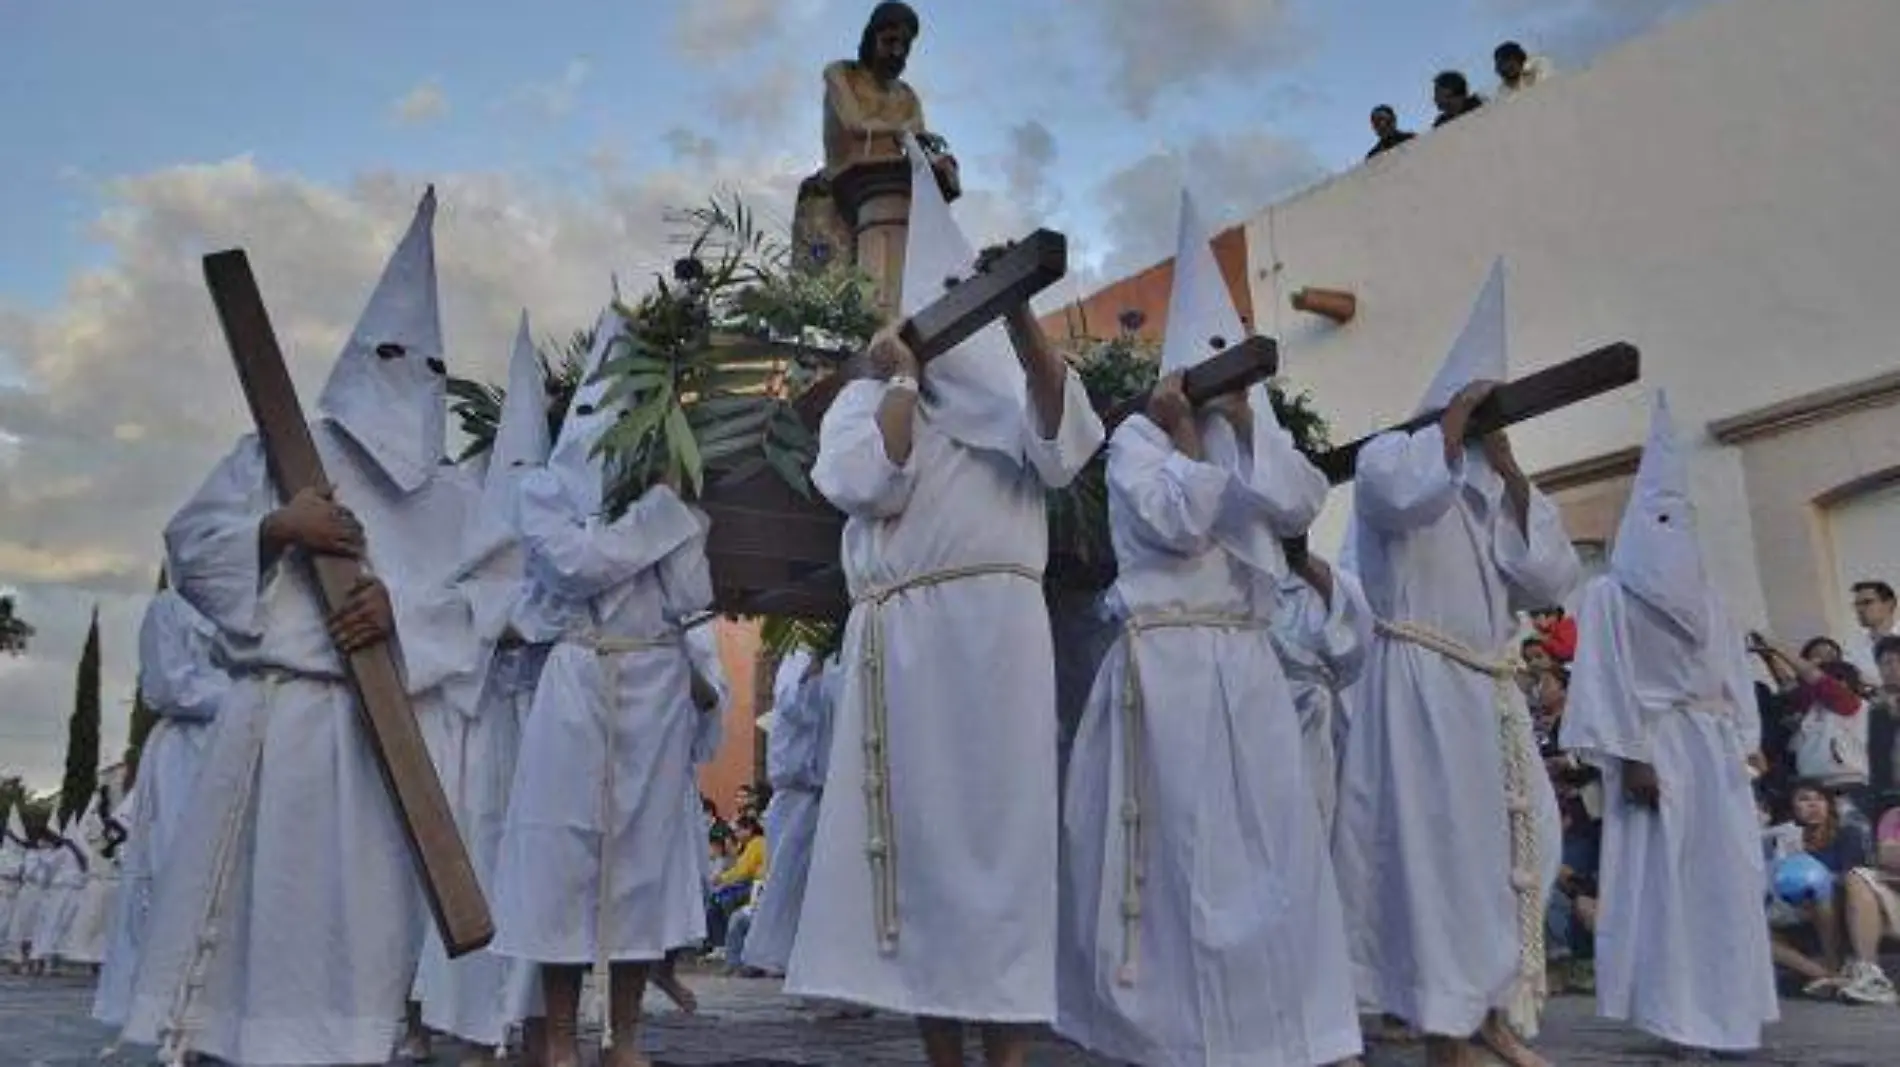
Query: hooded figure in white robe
1200	922
599	859
933	876
1447	834
1661	683
287	920
66	876
478	996
13	857
84	939
796	755
182	688
25	916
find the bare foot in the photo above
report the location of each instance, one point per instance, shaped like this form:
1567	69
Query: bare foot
416	1049
562	1053
1451	1052
1501	1041
676	991
624	1056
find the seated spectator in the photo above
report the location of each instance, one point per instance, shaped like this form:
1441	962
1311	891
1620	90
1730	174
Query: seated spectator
1883	728
1874	606
1557	631
732	887
1453	96
1822	650
1518	70
1536	656
1830	733
1385	126
1864	906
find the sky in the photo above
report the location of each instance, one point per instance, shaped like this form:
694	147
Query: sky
141	136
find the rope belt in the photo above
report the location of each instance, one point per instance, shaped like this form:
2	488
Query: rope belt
1134	717
881	844
608	651
175	1036
1515	741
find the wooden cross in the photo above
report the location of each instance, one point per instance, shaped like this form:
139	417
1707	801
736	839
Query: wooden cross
448	878
1570	382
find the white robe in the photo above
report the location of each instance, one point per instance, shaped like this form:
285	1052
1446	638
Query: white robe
65	881
12	880
606	755
970	682
1682	949
1322	647
182	687
1422	839
292	856
84	939
25	920
796	756
1239	956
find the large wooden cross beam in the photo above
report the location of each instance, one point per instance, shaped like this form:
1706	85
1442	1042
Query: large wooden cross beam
1570	382
448	878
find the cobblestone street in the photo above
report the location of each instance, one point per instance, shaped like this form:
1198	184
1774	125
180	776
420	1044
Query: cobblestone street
44	1023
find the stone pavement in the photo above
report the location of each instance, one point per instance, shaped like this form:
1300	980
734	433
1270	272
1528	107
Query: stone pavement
44	1023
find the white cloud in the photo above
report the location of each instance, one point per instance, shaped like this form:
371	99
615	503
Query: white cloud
715	30
425	103
555	98
1030	153
134	343
1230	177
768	100
1158	45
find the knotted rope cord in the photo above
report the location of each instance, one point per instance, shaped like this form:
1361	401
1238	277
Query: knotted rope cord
881	836
607	651
1134	716
1515	741
174	1035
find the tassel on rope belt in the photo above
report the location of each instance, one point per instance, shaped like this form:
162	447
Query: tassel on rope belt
1515	740
881	843
1134	715
175	1035
608	650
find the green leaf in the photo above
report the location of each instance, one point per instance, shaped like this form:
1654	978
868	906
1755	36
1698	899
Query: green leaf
680	442
785	465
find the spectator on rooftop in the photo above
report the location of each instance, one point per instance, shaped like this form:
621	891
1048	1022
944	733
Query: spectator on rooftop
1874	607
1385	126
1453	96
1518	70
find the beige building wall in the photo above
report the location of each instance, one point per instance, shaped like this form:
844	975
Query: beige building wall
1719	193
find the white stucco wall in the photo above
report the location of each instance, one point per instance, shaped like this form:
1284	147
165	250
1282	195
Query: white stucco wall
1724	193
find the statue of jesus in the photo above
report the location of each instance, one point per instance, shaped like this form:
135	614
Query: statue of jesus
868	109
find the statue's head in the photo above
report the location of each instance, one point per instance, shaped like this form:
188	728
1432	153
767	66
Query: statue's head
885	46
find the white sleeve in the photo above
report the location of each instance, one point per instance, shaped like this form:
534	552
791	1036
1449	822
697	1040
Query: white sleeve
852	470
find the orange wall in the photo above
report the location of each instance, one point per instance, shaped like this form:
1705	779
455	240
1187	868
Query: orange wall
737	762
1099	314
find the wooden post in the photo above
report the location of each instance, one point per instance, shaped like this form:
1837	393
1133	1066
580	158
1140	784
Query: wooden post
448	878
874	198
1570	382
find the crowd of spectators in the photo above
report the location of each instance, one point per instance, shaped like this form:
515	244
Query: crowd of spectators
1453	97
1827	794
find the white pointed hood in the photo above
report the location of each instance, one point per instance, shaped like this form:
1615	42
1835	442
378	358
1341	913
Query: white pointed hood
1479	353
1201	316
975	392
572	462
1202	323
521	444
1656	556
392	401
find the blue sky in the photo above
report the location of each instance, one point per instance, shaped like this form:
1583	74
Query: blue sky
140	135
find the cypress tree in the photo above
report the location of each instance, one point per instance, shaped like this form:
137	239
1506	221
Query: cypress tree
82	733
